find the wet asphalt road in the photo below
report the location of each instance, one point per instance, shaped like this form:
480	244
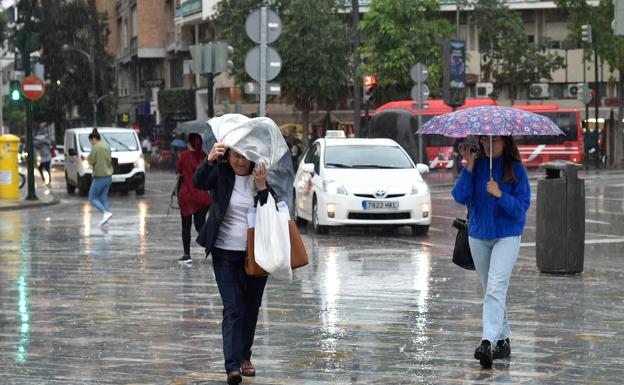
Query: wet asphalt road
82	304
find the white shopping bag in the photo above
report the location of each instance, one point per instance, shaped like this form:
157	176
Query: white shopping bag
272	239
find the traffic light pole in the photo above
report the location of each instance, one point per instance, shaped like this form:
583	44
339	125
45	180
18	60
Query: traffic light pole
29	114
596	90
585	85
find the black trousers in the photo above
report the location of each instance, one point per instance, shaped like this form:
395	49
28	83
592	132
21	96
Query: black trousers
199	218
45	166
241	296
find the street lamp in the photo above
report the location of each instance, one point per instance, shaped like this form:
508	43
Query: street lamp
67	47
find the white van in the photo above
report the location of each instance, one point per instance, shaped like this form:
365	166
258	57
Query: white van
128	162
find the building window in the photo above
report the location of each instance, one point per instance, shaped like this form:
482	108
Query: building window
554	44
531	39
134	21
176	69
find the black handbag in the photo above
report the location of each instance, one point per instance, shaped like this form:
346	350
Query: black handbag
462	256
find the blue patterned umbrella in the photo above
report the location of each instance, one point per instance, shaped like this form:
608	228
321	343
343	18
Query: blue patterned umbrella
490	120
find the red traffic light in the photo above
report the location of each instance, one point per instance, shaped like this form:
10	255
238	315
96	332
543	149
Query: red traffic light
369	81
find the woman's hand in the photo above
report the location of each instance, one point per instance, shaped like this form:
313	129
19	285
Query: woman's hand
466	153
260	174
492	188
217	151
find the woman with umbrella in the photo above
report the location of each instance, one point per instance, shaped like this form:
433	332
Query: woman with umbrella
495	187
497	206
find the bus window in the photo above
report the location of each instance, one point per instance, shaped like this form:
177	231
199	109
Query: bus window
566	121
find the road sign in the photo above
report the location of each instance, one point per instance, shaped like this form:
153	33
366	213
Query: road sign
424	93
253	26
252	63
253	88
419	69
33	88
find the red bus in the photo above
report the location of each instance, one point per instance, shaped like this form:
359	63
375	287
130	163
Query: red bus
398	120
535	150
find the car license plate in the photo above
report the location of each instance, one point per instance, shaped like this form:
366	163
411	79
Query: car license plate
372	205
117	179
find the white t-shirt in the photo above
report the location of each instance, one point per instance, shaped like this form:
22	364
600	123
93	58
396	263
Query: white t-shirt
233	231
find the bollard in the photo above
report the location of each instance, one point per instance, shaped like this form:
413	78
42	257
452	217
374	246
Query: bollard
560	219
9	175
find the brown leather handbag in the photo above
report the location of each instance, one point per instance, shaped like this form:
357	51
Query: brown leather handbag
298	253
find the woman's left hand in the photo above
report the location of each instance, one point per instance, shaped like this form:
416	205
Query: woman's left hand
260	174
492	188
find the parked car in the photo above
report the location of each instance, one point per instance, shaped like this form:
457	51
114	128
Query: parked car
58	160
128	162
361	182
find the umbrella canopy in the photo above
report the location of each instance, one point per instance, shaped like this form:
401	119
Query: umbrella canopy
192	127
491	121
178	143
281	173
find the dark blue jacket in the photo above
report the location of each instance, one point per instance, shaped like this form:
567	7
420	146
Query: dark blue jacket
490	217
219	179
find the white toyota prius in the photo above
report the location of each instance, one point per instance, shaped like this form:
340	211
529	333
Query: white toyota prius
361	182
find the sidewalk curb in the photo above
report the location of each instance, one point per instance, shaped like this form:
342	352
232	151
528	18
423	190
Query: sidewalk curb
23	204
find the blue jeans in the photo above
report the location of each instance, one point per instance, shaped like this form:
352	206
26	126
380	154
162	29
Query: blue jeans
241	296
98	192
494	260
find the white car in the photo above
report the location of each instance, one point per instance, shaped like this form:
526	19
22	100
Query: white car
59	159
361	182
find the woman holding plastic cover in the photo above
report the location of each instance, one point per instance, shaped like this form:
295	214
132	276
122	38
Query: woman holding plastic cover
193	203
235	182
497	201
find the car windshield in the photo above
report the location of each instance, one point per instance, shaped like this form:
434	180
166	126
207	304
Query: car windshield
366	156
118	141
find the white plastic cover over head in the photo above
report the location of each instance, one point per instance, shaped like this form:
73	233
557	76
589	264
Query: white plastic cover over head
257	139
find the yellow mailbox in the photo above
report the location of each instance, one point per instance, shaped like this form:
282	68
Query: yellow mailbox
9	176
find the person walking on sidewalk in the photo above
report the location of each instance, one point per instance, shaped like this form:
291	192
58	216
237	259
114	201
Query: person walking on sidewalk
497	205
193	203
44	149
234	181
101	161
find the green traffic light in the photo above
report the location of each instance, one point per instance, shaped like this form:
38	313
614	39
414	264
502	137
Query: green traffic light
15	95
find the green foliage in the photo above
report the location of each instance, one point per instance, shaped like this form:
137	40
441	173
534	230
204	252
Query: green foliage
397	35
508	57
176	100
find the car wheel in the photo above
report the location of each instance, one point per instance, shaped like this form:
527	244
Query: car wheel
420	229
83	187
70	187
140	190
318	229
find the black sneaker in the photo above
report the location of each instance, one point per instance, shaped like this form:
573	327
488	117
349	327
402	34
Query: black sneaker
185	259
484	354
502	349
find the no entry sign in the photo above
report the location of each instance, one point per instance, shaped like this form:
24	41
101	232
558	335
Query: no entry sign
33	88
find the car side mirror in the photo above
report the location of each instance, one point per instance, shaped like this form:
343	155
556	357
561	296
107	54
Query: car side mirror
72	152
308	167
422	168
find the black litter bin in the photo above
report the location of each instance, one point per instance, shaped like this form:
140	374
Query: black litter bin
560	222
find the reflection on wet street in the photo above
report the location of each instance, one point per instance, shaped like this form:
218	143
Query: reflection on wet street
81	304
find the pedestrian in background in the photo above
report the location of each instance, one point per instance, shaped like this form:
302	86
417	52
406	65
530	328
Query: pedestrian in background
43	145
234	182
101	161
497	206
193	203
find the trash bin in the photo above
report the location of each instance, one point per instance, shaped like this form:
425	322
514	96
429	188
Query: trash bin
9	176
560	221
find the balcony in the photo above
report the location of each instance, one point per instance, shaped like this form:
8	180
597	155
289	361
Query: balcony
174	42
189	7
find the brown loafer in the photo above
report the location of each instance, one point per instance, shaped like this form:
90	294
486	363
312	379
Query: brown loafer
247	369
234	377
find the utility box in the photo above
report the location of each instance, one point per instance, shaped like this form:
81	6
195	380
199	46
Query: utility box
560	220
9	175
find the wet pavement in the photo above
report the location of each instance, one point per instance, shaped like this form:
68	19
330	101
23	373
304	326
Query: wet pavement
82	304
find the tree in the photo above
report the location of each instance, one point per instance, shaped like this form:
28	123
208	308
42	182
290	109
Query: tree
397	35
316	56
508	56
608	46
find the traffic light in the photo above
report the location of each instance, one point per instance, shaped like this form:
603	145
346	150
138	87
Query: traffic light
586	33
454	82
367	84
211	58
15	93
222	62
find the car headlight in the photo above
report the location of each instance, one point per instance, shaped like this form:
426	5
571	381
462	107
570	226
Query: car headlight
419	188
85	164
140	162
333	187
